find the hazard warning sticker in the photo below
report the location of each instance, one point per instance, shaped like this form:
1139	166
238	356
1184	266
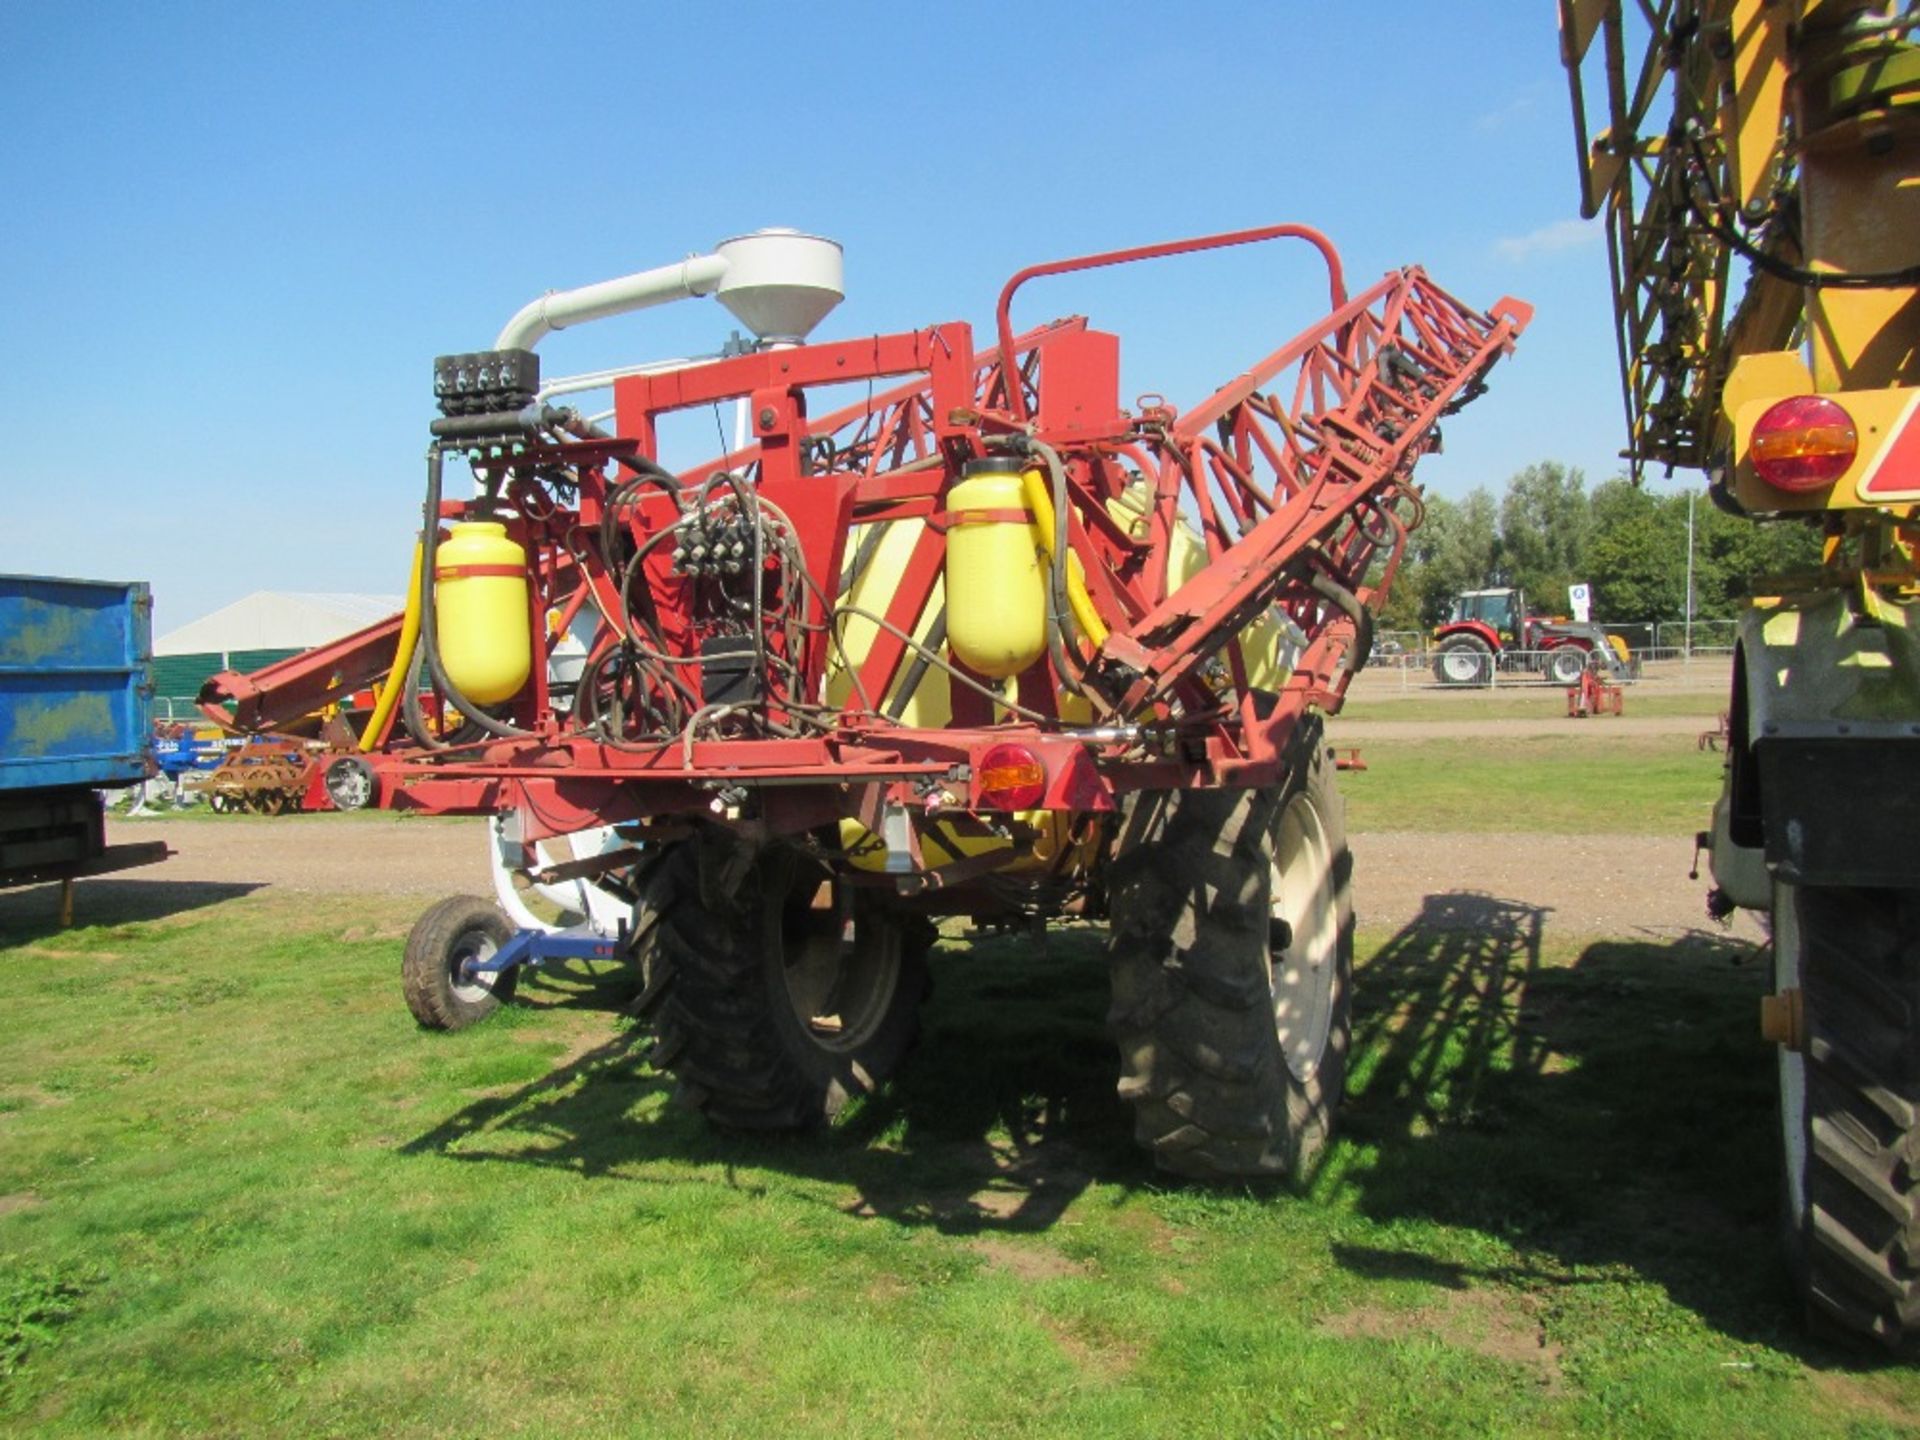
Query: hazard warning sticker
1895	471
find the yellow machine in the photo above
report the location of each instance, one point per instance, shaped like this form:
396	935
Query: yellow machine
1782	137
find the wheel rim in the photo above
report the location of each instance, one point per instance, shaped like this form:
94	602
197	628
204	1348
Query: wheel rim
1461	665
1303	973
841	975
471	948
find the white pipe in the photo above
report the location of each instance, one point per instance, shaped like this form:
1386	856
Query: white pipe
602	379
557	309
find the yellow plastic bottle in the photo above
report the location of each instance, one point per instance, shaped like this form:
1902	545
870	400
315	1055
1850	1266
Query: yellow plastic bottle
996	593
480	619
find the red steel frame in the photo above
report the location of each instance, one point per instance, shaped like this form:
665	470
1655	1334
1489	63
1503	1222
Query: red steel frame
1295	474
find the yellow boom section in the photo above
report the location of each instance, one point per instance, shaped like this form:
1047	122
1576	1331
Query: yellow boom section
1757	166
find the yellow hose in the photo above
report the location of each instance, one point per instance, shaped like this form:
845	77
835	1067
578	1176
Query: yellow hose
402	660
1078	599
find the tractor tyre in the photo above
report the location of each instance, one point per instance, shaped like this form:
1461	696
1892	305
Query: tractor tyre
460	928
1463	660
1232	951
1565	665
657	888
1850	1105
784	997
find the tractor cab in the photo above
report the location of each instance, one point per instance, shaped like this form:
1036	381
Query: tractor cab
1501	611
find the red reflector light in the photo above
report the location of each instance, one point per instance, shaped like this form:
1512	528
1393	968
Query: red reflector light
1010	777
1803	444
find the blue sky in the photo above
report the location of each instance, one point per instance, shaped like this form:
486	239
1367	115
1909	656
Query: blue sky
235	235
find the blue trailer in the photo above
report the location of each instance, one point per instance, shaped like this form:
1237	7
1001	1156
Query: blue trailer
76	700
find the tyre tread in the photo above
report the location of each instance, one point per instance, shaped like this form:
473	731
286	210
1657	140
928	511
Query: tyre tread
1860	978
1201	1064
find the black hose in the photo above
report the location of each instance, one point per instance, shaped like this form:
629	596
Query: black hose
1343	598
410	713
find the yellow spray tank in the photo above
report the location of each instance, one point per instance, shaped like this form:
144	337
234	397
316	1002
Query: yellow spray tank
1262	644
883	552
996	593
482	626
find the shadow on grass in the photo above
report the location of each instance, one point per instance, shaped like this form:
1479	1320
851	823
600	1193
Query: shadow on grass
32	913
1605	1120
1004	1115
1609	1120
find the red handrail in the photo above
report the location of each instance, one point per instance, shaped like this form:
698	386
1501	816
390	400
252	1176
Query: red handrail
1003	315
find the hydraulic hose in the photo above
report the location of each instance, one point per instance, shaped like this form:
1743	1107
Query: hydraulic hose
1348	604
396	685
410	712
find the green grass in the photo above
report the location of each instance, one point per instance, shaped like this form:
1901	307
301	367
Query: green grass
241	1193
1631	784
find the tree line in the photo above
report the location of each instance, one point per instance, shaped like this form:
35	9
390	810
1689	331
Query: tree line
1630	545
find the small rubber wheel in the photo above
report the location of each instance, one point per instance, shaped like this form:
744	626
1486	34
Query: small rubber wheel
453	934
1566	665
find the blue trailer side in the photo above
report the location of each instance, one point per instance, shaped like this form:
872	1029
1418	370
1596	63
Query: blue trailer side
76	682
76	693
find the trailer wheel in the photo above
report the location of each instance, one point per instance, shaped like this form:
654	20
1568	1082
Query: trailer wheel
1463	660
458	929
1565	665
786	999
1232	950
1850	1104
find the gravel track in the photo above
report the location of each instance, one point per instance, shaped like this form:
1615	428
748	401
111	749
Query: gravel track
1586	885
1595	729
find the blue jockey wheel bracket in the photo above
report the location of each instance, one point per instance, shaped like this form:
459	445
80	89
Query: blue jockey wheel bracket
530	949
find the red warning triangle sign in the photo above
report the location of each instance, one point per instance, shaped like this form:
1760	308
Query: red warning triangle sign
1895	472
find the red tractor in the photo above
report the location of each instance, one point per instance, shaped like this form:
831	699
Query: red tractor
1489	630
972	640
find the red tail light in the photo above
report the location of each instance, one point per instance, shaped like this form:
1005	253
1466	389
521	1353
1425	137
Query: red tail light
1010	777
1802	444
